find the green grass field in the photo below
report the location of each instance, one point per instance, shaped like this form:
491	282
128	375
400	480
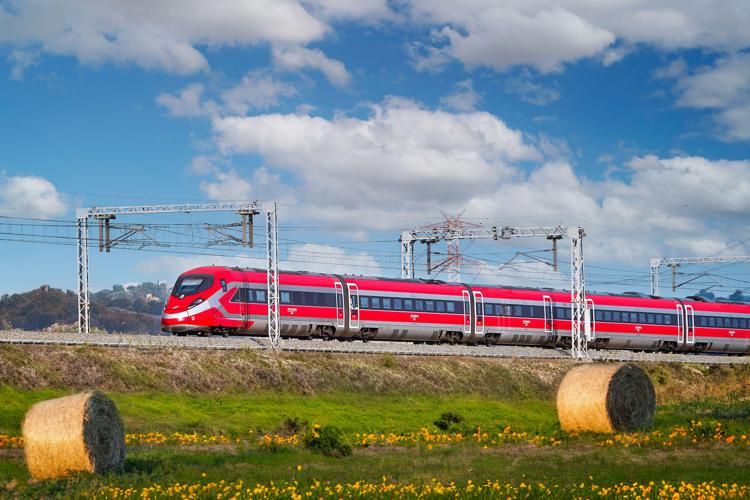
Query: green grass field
527	407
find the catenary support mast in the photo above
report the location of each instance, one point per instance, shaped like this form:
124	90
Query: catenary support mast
246	211
674	262
578	301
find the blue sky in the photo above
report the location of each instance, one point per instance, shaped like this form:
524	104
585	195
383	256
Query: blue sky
363	117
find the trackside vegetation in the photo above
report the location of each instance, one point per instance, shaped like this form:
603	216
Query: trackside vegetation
253	425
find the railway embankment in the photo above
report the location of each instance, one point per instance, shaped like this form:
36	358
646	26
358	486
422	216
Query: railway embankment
43	367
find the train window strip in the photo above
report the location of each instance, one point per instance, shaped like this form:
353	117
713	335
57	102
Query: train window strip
722	322
323	299
312	299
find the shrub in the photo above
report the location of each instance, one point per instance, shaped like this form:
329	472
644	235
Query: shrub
291	425
327	440
448	420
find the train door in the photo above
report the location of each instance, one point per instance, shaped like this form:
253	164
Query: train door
467	311
589	320
245	294
245	299
680	324
689	324
340	320
479	311
549	319
353	305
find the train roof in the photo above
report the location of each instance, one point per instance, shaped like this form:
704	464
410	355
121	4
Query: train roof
422	281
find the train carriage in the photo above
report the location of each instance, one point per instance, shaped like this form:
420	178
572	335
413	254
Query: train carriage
222	300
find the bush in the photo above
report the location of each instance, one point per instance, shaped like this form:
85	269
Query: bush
327	440
291	425
448	419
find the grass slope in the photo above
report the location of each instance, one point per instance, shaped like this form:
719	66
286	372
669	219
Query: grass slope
246	392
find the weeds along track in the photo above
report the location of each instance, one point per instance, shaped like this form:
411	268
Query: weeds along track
354	347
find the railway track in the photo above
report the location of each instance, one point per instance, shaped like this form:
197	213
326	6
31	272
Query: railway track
396	348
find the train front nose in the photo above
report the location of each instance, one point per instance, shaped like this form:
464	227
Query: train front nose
187	308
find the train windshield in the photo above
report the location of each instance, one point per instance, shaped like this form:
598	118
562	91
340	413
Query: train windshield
191	284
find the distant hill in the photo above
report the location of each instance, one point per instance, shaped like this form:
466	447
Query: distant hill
132	309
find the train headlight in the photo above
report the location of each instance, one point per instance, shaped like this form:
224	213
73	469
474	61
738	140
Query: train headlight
195	303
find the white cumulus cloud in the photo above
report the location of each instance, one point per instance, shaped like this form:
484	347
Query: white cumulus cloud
402	151
298	58
30	196
547	34
725	88
162	35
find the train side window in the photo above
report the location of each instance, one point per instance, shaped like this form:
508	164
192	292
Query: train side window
743	323
419	305
659	319
440	305
223	285
364	302
712	321
238	295
408	305
641	317
668	319
376	302
386	303
450	306
260	296
616	316
398	304
650	318
607	315
598	315
735	323
480	311
429	305
286	298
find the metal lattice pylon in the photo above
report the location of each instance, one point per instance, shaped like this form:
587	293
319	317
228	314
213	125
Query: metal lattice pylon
580	335
675	262
245	209
272	253
578	301
82	230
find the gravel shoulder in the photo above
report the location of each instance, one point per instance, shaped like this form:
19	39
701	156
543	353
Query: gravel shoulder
359	347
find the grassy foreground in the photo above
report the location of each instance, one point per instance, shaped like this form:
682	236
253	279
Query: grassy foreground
232	441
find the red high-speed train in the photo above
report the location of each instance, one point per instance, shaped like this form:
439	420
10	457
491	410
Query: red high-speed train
223	300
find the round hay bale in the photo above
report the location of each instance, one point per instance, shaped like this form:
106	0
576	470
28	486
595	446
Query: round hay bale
82	432
605	398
